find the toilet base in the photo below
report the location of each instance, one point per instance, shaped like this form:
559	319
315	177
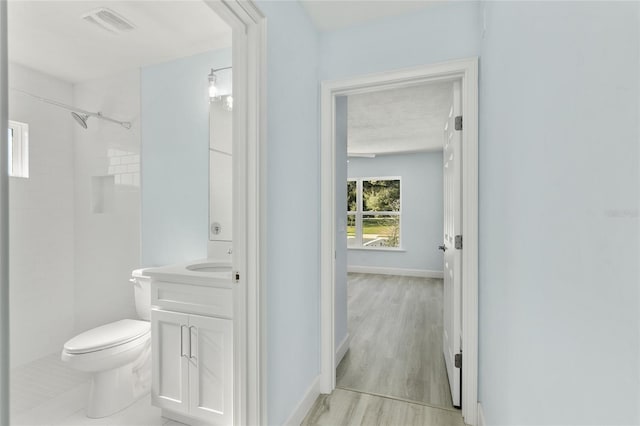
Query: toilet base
114	390
111	391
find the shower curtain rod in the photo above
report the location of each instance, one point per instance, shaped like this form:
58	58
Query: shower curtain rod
125	124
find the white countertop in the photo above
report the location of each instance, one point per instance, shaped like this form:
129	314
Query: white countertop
180	273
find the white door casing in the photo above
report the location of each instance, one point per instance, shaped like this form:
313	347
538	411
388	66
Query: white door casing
452	302
465	71
249	206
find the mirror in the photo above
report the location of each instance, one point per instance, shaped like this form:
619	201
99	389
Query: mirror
220	169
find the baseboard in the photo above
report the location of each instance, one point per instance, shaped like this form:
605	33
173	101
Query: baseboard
425	273
343	347
480	416
300	412
181	418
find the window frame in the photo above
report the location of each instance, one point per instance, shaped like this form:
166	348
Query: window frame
18	149
359	213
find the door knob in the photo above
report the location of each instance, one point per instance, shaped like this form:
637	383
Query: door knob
442	247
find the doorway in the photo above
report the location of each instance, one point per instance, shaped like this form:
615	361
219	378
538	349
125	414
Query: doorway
388	267
248	27
464	71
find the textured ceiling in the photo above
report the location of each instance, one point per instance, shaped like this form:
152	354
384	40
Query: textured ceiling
51	37
335	14
409	119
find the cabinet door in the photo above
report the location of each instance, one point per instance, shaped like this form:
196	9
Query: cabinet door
170	365
211	369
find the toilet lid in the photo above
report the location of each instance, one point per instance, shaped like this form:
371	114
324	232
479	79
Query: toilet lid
107	336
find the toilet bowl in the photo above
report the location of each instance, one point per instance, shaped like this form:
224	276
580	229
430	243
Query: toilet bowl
118	356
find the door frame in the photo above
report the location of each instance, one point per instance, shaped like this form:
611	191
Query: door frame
249	74
249	206
467	71
4	218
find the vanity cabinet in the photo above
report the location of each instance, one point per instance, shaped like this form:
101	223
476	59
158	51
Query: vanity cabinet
192	356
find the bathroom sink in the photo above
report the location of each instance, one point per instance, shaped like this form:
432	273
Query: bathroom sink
209	267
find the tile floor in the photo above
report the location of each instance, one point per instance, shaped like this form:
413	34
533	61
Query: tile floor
48	393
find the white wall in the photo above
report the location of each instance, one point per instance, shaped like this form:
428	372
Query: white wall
293	220
559	203
446	30
41	221
175	141
422	216
107	234
558	194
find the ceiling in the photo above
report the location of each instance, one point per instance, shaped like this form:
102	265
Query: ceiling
50	36
330	15
409	119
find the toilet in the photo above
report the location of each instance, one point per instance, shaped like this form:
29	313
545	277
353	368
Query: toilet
118	356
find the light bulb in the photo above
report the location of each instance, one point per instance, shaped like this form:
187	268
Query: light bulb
213	90
229	102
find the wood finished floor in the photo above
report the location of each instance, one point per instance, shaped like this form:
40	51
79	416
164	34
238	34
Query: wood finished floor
395	324
344	407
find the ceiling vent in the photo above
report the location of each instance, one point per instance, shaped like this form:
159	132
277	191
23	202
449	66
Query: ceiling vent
108	20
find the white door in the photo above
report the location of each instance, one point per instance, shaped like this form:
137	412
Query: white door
170	376
452	304
211	369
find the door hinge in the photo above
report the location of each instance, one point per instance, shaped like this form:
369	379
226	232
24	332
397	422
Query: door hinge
457	360
236	277
459	242
458	122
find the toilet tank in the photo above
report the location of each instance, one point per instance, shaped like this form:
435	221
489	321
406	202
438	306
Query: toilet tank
142	293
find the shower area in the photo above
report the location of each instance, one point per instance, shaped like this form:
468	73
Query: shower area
81	116
74	226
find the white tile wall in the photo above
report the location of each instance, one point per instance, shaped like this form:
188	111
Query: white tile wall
70	267
41	221
107	243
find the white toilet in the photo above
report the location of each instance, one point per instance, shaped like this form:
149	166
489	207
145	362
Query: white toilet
117	354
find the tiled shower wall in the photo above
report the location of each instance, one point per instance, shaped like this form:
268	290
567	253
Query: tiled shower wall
41	220
107	200
75	221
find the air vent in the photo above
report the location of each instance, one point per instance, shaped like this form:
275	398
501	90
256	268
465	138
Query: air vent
108	20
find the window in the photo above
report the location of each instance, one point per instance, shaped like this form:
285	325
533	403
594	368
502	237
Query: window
18	149
373	212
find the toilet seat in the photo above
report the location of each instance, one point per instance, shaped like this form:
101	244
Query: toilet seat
107	336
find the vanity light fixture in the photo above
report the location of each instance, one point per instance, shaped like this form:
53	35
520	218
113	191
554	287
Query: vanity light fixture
214	91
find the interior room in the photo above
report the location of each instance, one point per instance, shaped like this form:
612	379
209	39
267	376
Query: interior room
93	88
388	259
129	295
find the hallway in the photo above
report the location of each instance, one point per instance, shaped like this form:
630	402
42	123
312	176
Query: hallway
395	324
394	371
344	407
